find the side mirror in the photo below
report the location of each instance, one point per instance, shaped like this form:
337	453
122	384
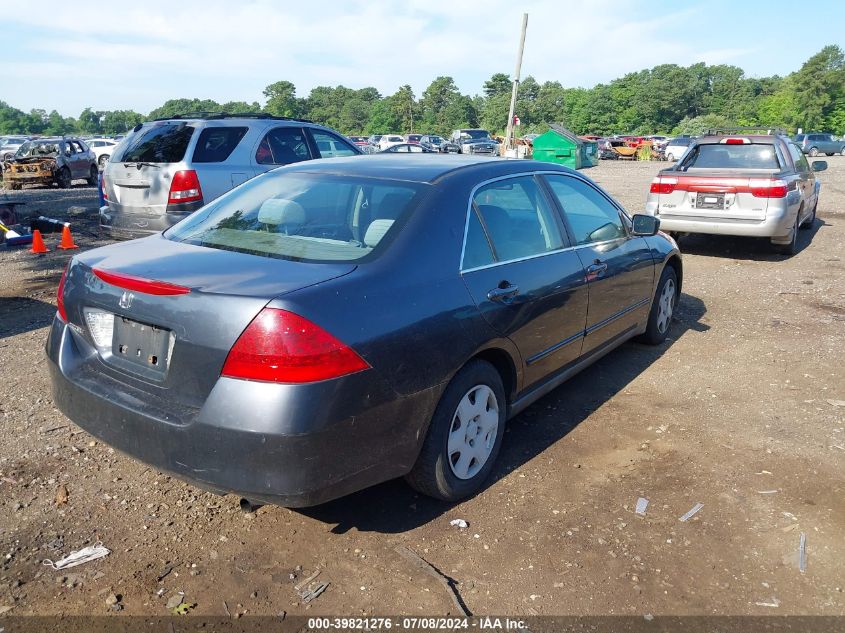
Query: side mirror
645	224
819	165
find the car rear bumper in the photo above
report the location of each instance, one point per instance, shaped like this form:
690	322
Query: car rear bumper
121	220
777	223
245	438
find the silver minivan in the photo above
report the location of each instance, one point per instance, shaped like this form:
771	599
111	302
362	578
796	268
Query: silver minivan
166	169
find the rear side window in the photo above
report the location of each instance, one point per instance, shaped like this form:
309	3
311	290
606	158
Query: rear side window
302	217
158	143
722	156
282	146
798	158
216	144
516	222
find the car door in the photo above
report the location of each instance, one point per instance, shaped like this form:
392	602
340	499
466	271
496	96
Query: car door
619	267
217	164
281	146
526	281
74	159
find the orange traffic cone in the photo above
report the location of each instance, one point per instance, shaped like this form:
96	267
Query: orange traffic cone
38	246
67	239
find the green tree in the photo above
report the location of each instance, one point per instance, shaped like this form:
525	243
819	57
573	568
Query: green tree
281	99
444	108
819	87
89	122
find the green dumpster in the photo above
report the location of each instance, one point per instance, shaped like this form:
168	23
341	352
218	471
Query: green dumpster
560	145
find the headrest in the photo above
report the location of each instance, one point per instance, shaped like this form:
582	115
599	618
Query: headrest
281	211
376	231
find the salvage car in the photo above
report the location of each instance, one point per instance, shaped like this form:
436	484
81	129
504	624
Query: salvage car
45	161
474	141
753	186
168	168
331	325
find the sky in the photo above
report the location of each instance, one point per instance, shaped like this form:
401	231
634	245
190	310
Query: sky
136	55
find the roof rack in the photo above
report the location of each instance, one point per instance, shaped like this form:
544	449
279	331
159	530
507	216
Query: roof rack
202	114
775	131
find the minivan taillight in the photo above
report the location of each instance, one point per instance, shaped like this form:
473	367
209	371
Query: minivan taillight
663	185
60	295
185	187
280	346
767	188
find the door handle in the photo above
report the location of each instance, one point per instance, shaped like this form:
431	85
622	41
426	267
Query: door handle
504	292
596	269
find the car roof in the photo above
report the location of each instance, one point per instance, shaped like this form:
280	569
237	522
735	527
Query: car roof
754	138
426	168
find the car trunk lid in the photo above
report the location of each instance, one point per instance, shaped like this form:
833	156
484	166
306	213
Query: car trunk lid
164	325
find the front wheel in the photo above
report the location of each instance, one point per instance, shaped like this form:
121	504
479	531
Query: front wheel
63	178
814	151
842	153
93	175
662	308
670	158
464	436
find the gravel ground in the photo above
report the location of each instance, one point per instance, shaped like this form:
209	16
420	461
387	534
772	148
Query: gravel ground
741	410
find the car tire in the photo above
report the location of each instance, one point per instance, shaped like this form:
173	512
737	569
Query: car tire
789	249
102	161
662	308
63	178
842	153
814	151
93	176
446	468
829	153
811	219
670	158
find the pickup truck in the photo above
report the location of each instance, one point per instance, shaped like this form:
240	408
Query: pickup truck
754	185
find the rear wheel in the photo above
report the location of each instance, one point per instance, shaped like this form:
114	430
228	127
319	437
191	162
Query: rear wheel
670	158
842	153
662	308
829	153
102	161
464	436
792	247
811	219
93	175
63	178
814	151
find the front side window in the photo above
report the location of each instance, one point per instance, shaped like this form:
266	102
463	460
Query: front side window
331	146
591	217
302	217
513	218
282	146
216	144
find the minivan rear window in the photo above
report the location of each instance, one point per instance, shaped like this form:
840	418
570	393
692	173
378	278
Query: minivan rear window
158	143
724	156
302	216
216	144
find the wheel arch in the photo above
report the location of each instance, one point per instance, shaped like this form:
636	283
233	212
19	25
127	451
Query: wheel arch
504	364
674	261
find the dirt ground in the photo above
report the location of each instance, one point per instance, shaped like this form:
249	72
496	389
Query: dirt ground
742	410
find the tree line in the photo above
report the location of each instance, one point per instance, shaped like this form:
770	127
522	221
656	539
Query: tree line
667	99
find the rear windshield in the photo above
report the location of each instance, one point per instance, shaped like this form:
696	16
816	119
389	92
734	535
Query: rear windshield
158	143
302	217
216	144
721	156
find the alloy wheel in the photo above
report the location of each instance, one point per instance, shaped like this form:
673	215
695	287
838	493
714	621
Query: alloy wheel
473	432
666	306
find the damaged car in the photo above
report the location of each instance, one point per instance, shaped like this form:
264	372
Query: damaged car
45	161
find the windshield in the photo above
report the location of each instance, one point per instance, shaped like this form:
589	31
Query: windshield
475	134
163	142
32	149
723	156
301	216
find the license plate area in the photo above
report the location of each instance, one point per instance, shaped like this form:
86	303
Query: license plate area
141	348
710	200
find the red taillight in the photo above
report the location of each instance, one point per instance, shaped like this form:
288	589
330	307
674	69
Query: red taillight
765	188
663	185
60	296
139	284
280	346
185	187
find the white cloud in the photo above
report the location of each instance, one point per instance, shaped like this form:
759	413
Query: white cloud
137	57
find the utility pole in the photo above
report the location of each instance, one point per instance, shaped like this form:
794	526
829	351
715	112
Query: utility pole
509	133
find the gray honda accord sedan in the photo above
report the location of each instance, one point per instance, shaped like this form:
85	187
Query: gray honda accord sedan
337	323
